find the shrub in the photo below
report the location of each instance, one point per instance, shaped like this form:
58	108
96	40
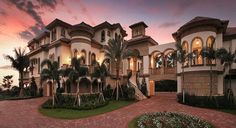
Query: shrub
33	87
205	101
40	91
107	92
88	102
171	120
15	91
129	92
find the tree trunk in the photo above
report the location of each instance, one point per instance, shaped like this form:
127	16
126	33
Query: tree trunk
21	85
183	83
117	79
53	93
211	80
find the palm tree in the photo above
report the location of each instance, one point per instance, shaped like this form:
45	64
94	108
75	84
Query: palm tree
227	59
210	54
182	57
19	62
101	71
51	73
116	51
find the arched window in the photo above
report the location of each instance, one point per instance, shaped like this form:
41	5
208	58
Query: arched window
158	61
210	43
75	53
83	56
103	36
186	50
196	50
93	58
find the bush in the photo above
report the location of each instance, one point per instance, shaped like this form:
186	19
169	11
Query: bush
129	92
107	92
88	102
15	91
33	87
205	101
171	120
41	92
166	86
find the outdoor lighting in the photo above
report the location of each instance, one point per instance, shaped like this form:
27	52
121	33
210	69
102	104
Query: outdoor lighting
197	42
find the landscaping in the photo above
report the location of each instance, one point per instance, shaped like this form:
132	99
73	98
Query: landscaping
74	114
168	120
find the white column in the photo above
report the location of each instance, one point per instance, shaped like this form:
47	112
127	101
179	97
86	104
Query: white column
148	87
179	84
146	64
220	85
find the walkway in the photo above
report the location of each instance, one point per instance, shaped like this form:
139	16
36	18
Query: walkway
24	114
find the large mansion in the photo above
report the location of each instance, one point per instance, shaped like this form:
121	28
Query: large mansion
62	41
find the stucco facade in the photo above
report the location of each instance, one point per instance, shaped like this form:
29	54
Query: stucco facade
63	41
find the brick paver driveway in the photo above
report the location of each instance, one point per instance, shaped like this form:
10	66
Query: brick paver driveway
24	114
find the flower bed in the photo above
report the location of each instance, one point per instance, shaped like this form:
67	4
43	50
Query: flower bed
170	120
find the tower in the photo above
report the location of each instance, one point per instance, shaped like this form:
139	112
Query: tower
138	29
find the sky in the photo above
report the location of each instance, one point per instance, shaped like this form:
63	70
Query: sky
21	20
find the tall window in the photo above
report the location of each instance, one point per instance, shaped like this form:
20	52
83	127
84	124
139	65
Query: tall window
108	33
103	36
210	44
116	36
158	61
58	60
54	33
83	56
38	65
93	58
196	49
185	48
63	32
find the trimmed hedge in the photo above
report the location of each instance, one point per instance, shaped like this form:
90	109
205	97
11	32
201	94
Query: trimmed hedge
205	101
88	102
170	120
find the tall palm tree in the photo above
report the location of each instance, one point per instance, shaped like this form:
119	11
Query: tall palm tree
19	62
182	57
116	51
227	58
210	54
51	73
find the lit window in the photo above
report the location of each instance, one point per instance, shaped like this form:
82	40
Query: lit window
210	44
196	50
185	48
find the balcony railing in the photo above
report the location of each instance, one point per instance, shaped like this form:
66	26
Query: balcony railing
162	71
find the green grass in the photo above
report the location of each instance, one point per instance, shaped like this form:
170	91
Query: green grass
133	123
231	111
75	114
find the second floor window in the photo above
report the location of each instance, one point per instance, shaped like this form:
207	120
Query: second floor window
103	36
54	33
63	32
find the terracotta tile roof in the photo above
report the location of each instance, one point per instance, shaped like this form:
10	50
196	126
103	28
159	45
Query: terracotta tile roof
139	23
57	22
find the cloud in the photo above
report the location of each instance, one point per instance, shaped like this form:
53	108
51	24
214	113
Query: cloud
26	34
168	24
84	10
32	9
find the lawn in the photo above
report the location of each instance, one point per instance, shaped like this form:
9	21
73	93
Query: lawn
231	111
75	114
133	123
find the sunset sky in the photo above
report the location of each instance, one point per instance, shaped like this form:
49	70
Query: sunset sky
21	20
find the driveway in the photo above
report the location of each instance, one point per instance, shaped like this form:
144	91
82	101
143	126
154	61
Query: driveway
24	114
